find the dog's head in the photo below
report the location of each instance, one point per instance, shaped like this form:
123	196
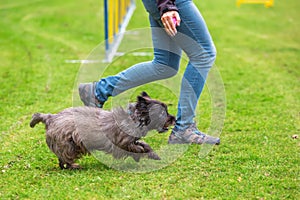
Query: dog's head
152	113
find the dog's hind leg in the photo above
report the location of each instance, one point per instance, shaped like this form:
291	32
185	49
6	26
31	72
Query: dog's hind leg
61	164
67	152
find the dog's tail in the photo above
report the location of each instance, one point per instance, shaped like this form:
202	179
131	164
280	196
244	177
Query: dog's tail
37	118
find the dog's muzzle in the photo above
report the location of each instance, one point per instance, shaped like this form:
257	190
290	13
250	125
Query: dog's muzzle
169	122
163	130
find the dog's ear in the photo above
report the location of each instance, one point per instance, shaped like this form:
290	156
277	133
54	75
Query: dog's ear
144	94
142	104
142	100
142	111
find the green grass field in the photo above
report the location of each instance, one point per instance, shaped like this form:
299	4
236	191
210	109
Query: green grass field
258	58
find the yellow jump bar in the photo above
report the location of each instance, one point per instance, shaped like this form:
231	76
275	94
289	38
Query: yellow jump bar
267	3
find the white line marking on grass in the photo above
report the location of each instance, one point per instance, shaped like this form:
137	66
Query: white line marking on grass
82	61
137	54
118	54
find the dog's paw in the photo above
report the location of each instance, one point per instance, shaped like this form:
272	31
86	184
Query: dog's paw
145	146
73	166
154	156
136	148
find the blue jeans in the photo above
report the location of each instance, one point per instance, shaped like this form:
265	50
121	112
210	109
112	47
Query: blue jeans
193	38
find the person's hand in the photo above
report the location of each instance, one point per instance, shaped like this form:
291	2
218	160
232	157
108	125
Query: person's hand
170	20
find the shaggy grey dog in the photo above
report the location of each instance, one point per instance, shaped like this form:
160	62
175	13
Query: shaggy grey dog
77	131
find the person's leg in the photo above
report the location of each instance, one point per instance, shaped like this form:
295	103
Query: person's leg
195	40
164	65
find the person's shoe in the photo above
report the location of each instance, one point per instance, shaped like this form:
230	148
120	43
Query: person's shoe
87	95
192	136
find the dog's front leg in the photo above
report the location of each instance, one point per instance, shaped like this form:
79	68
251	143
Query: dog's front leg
137	151
147	149
145	146
135	148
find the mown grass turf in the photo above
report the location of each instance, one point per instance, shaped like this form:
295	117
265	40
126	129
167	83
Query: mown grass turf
258	58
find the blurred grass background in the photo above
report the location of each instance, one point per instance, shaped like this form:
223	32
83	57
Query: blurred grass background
258	58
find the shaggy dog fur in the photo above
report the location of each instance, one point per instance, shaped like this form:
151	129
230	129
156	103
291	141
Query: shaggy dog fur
77	131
